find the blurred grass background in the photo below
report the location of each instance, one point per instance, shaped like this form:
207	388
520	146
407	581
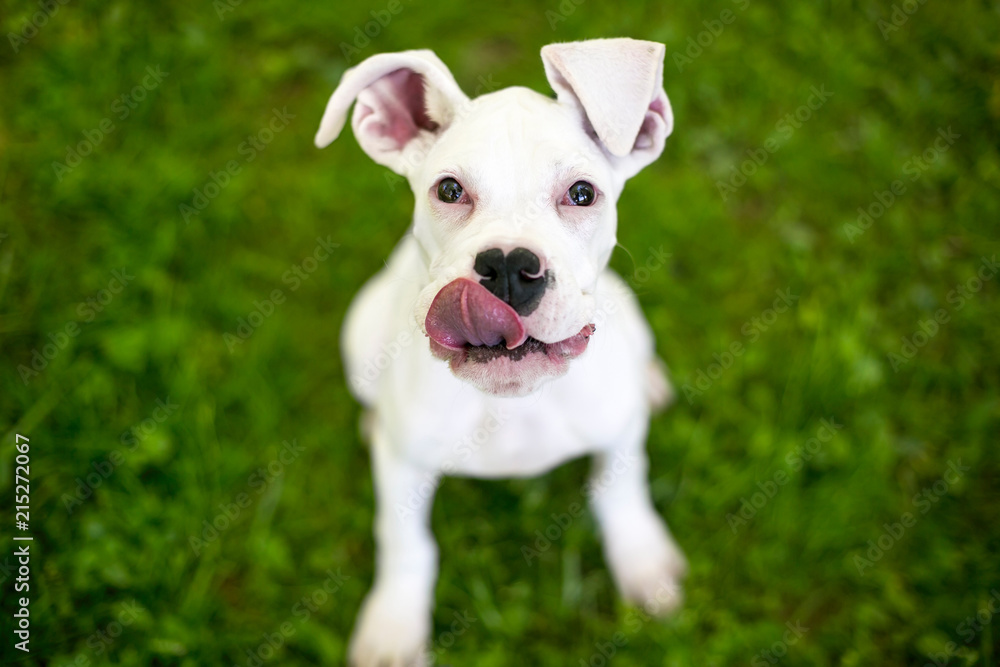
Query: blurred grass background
126	552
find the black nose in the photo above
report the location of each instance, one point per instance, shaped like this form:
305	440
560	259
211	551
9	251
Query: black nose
516	278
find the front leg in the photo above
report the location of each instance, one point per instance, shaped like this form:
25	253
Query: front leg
646	563
395	620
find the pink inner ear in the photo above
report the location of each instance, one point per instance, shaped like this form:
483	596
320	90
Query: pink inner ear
658	106
645	137
654	122
413	92
398	109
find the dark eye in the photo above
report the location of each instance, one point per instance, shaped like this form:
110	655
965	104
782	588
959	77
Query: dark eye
449	191
581	193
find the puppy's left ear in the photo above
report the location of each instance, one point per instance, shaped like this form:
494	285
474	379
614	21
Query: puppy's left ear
617	86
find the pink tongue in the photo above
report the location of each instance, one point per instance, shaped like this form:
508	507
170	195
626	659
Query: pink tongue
464	312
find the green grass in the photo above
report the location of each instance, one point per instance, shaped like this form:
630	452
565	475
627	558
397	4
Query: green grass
125	551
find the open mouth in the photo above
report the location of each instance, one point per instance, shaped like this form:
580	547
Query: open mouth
484	342
562	351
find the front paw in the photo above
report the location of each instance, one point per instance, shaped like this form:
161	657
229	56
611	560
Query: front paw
392	631
648	571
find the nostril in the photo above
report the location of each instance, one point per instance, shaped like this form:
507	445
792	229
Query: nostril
525	262
490	264
526	277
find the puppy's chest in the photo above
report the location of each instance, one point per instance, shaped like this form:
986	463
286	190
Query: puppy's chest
506	442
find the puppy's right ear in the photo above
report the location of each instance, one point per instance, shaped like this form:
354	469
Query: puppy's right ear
404	100
617	87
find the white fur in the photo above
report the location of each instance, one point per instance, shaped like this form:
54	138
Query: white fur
516	152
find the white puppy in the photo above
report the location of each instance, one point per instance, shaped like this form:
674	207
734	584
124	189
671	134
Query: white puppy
496	315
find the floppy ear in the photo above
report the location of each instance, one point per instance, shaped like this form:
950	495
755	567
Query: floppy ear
404	100
617	86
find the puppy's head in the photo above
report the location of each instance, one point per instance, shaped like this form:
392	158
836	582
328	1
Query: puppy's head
515	194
